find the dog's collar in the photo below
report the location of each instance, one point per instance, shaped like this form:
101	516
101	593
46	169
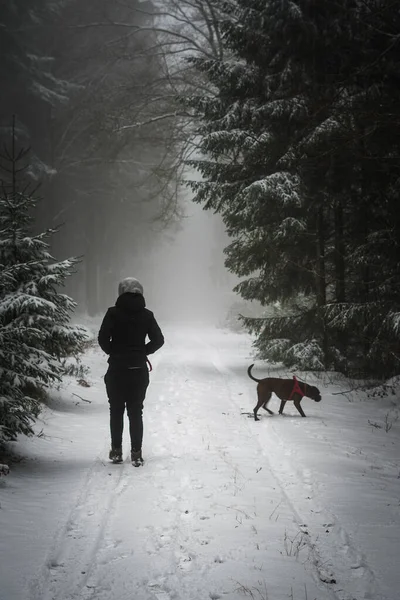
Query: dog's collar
297	389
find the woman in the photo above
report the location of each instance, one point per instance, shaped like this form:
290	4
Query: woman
122	336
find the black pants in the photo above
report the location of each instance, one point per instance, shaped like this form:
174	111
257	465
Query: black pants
126	388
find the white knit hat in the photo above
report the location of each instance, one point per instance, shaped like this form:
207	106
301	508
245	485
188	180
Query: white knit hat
131	285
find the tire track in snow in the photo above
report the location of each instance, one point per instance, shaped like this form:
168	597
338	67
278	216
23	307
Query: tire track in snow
72	557
357	579
224	376
335	557
73	570
182	540
169	554
178	556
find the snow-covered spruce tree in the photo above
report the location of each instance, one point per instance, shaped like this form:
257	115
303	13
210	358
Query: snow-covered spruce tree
278	138
35	332
249	131
25	369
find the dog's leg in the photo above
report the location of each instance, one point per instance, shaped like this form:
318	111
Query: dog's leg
265	405
262	401
297	405
282	406
255	410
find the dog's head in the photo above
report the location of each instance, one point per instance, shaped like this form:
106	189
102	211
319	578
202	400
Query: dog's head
313	393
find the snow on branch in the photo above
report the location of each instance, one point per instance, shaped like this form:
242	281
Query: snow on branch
283	184
288	227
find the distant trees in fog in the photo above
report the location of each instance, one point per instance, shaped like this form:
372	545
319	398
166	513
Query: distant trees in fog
86	82
95	87
113	178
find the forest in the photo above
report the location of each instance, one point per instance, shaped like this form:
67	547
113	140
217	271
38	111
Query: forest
288	112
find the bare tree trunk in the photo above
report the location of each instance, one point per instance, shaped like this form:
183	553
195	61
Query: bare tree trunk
363	235
339	268
320	273
92	284
321	276
340	287
92	262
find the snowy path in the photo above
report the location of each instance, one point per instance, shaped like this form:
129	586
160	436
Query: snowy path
224	507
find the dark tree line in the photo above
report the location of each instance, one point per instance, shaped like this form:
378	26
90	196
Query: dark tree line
299	143
82	80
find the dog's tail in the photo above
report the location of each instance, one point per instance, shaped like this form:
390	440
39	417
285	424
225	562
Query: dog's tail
250	375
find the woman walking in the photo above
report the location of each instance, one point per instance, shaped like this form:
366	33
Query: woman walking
123	336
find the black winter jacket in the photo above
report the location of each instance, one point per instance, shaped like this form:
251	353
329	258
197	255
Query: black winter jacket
124	329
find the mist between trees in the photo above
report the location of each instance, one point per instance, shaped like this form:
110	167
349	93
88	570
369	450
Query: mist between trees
289	111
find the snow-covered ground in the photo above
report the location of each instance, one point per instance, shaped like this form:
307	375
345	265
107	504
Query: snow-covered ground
224	508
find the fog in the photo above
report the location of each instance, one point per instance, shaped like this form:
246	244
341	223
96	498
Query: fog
183	274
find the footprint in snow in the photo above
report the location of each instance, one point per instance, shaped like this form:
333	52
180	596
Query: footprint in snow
219	559
159	592
185	561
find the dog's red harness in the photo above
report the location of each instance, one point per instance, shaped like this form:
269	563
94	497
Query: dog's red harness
296	388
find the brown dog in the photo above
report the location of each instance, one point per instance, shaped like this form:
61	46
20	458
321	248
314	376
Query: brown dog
285	389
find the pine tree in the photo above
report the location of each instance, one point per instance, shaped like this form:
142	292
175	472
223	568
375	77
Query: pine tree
35	332
25	369
247	136
300	143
